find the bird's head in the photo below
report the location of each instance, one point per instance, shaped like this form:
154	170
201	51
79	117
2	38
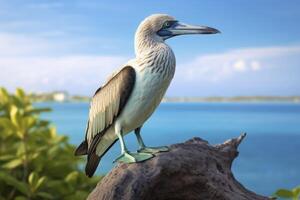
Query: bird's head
162	27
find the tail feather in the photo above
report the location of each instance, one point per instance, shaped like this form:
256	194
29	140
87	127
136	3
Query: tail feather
94	156
82	149
92	164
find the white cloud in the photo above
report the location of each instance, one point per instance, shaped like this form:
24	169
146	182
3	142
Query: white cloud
76	73
31	63
255	65
217	67
240	65
16	45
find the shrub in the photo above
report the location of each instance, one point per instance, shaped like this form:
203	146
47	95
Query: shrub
293	194
36	162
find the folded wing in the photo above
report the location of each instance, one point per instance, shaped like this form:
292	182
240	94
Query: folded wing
106	105
109	101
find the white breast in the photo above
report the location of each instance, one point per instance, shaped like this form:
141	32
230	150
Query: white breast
150	86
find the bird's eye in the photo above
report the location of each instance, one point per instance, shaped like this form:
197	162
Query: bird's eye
167	24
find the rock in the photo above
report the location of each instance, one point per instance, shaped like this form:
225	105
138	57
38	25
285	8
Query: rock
190	170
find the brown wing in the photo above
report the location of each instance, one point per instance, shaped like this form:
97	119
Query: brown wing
109	101
106	105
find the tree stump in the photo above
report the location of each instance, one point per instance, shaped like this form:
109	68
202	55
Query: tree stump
190	170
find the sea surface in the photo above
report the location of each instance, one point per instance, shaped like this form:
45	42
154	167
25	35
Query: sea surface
269	156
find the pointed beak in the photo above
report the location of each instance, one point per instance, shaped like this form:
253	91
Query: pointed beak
184	29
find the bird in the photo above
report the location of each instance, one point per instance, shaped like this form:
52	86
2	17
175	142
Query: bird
131	94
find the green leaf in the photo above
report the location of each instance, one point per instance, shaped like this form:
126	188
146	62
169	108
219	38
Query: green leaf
33	178
21	198
40	182
20	93
21	150
78	195
21	99
45	195
35	182
43	123
53	132
284	193
4	96
296	191
6	123
53	150
7	157
72	177
16	120
29	121
14	115
13	164
10	180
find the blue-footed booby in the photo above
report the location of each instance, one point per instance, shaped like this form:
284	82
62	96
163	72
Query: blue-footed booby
131	95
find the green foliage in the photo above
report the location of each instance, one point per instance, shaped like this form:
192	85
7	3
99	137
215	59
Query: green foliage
293	194
36	162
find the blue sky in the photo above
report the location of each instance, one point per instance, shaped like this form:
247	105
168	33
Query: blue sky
75	45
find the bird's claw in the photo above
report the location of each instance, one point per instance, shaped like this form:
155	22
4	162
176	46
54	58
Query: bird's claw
129	157
153	149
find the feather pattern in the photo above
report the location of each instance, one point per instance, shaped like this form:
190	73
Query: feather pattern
109	101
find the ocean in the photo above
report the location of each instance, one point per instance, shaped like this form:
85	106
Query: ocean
269	155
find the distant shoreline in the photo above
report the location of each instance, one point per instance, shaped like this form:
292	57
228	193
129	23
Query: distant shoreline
65	97
246	99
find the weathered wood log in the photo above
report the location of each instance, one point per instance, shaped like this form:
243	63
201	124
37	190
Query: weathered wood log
190	170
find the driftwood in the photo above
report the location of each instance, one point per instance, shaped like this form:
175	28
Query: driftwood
190	170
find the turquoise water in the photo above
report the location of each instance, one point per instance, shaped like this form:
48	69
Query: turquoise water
269	156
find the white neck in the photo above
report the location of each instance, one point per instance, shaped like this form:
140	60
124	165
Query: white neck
145	41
